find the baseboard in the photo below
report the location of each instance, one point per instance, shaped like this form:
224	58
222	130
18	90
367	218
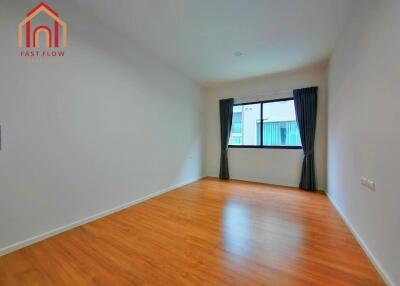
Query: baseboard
364	246
37	238
295	187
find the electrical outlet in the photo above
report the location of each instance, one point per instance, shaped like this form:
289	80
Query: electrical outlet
364	181
371	185
368	183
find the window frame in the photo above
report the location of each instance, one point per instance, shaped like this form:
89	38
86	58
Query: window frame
261	146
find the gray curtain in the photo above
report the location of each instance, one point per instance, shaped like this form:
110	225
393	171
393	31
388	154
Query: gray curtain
225	117
305	102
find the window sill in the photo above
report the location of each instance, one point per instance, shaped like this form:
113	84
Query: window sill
264	147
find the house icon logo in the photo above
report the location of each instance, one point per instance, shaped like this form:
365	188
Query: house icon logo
55	34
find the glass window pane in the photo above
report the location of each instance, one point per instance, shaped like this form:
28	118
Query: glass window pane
280	125
245	125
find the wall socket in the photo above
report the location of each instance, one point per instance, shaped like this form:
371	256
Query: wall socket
368	183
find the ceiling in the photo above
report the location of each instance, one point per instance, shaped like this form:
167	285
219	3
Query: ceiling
201	37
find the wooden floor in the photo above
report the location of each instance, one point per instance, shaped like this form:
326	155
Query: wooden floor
208	233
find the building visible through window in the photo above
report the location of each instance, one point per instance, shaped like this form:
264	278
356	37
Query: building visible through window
278	126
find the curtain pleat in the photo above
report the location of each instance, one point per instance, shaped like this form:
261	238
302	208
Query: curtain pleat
305	102
225	115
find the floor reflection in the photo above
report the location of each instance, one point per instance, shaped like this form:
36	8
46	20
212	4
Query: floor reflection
236	228
264	234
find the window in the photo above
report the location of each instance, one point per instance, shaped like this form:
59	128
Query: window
244	125
277	129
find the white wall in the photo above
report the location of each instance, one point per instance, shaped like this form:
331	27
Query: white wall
364	139
103	126
275	166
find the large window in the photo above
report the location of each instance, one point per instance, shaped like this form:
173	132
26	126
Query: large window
266	124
